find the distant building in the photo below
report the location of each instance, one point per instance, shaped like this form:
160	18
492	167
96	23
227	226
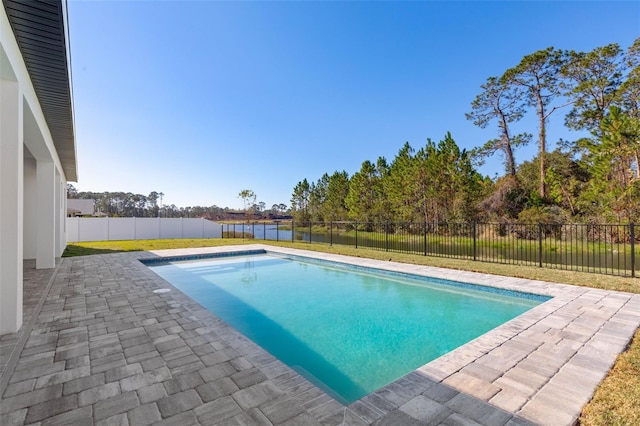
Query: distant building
80	207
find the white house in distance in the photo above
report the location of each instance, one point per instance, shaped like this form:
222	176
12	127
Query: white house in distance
37	143
80	207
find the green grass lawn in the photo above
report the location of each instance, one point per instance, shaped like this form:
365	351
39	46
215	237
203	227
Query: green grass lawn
617	399
105	247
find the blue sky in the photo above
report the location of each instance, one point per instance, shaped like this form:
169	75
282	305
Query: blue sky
201	99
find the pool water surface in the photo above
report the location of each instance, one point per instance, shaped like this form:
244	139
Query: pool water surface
348	330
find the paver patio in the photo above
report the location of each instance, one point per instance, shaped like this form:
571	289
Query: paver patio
100	347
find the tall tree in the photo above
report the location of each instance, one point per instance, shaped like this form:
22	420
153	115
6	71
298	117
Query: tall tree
152	201
426	185
139	205
161	195
337	190
248	199
317	196
365	199
446	186
566	179
300	201
591	82
629	93
503	102
399	185
72	192
538	74
621	140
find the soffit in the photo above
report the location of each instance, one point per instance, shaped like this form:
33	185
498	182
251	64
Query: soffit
40	30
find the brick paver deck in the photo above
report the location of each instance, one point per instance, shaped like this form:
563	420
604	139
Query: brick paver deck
100	347
34	284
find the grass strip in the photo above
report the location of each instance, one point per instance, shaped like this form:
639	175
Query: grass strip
617	398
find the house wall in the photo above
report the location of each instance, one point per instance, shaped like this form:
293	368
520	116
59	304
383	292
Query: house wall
11	207
32	182
30	209
60	223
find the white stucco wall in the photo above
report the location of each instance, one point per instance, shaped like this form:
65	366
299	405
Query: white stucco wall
30	209
28	186
11	204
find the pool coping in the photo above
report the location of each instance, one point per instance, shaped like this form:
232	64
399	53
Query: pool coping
103	346
542	366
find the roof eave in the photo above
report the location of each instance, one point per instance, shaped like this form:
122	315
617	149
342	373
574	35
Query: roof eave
41	30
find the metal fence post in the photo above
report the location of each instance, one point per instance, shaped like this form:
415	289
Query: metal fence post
386	236
540	245
356	234
222	230
632	235
425	238
293	229
310	223
264	231
474	239
277	231
331	233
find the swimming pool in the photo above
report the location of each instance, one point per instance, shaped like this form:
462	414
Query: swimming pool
348	330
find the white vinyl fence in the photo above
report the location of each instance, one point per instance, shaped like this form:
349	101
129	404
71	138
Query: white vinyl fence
139	228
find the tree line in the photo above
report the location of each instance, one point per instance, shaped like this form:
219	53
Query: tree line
128	204
593	179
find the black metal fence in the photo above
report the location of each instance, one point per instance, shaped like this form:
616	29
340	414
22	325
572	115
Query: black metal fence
605	249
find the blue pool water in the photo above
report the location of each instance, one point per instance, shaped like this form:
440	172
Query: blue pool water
348	330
